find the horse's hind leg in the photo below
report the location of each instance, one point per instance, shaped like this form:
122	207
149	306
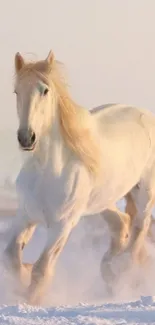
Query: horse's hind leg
144	198
131	210
119	224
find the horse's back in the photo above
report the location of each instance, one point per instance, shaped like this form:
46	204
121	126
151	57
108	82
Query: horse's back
127	135
101	107
113	110
124	118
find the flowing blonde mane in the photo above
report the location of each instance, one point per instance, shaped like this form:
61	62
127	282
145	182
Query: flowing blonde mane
76	123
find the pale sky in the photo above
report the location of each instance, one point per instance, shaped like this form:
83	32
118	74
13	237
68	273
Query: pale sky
108	47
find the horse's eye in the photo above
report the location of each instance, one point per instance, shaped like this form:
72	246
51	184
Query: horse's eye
15	92
45	91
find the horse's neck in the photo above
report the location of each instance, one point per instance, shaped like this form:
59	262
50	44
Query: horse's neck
59	151
52	150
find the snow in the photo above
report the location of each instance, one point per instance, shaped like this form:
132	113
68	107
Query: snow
83	314
77	295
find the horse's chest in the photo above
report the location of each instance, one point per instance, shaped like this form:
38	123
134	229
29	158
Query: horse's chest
40	193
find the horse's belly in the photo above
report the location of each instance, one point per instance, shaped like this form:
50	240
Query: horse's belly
114	186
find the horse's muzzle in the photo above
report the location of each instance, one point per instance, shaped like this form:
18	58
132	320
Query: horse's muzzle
26	139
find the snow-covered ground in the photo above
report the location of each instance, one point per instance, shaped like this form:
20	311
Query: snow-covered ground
137	312
78	294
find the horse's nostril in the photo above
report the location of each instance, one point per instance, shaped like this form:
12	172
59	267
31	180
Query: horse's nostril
33	137
19	136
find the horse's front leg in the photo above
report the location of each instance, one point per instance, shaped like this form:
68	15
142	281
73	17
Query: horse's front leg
27	267
70	211
19	235
43	269
27	234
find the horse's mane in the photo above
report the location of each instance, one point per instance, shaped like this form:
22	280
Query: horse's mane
76	123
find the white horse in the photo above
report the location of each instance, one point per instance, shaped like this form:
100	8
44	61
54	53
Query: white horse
79	164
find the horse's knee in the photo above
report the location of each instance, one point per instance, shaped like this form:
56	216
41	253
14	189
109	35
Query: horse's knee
13	250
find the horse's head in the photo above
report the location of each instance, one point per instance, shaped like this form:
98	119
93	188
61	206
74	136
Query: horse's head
36	99
43	101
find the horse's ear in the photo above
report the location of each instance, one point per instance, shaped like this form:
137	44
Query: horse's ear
19	62
50	58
